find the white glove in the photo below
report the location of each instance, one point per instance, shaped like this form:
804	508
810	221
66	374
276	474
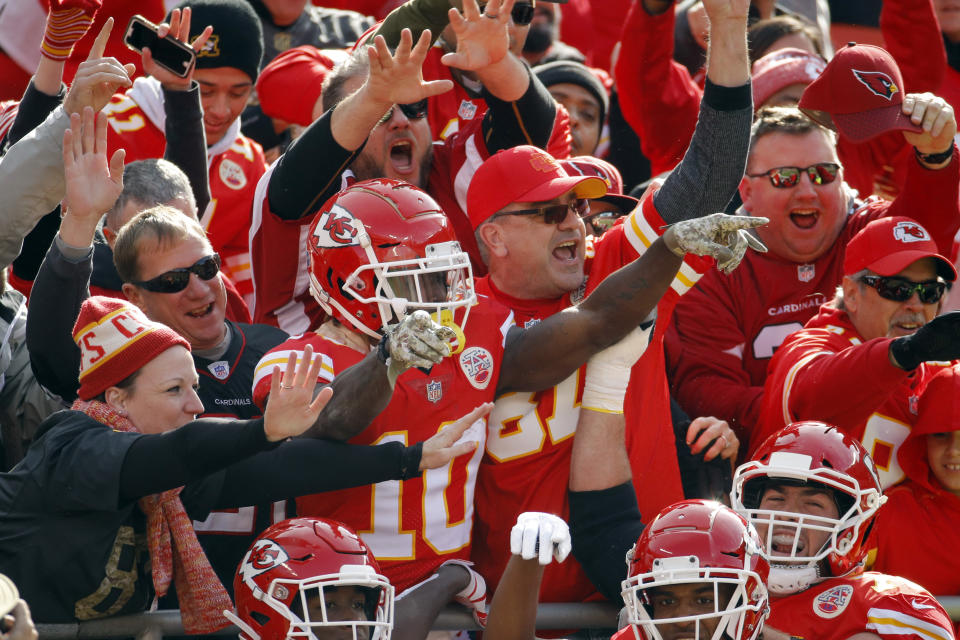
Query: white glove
540	535
608	372
723	237
416	341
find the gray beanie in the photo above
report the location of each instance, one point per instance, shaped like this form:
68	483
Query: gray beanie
574	73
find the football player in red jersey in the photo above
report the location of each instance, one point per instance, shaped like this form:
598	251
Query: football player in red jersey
862	360
812	493
382	254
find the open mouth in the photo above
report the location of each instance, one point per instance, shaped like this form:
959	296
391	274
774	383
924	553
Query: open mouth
566	251
804	219
782	545
201	312
401	156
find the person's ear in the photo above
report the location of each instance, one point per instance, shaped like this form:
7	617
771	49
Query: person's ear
110	235
117	398
745	192
493	236
851	294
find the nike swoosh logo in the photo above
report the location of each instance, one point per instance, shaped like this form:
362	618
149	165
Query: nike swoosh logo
919	605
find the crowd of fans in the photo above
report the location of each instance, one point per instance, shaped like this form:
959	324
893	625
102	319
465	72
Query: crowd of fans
382	306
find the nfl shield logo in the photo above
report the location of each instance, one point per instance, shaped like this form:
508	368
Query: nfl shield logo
434	390
467	110
220	369
805	272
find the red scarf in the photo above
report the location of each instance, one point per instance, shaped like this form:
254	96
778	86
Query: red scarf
202	597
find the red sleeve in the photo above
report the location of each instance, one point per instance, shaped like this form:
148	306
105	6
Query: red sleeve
911	34
559	144
607	16
822	375
708	378
658	98
931	198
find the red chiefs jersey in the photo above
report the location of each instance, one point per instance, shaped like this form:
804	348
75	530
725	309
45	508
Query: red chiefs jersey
235	163
725	332
415	525
838	608
280	262
829	372
530	435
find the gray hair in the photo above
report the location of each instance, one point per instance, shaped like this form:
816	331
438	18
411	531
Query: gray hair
857	277
356	65
150	183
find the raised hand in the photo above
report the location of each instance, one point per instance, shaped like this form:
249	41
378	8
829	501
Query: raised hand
725	238
179	28
482	38
453	440
937	119
97	78
398	78
416	341
726	9
92	184
67	23
291	407
540	535
713	437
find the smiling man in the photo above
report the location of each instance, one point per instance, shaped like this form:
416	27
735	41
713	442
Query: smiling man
862	360
728	328
813	492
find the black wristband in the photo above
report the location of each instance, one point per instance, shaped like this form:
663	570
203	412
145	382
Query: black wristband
383	352
934	158
410	461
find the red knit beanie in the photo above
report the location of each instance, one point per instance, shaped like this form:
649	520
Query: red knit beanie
115	340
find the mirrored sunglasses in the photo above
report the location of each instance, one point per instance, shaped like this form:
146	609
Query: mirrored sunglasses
413	111
177	280
901	289
788	177
552	213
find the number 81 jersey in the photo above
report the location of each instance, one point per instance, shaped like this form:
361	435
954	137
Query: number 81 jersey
415	525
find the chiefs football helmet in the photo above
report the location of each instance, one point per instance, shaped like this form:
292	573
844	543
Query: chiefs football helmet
810	454
703	543
381	249
280	584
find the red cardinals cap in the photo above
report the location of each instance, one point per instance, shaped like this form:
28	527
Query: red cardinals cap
523	174
889	245
115	340
780	69
859	94
938	409
296	72
592	166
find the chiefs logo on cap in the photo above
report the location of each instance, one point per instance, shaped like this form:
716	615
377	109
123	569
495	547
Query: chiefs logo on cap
910	232
543	162
877	82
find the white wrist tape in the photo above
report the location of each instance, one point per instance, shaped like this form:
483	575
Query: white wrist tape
608	372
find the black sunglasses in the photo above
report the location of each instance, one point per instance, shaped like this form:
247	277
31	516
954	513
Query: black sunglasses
901	289
177	280
522	14
788	177
552	213
413	111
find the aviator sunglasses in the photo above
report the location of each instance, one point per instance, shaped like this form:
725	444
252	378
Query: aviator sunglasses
413	111
788	177
176	280
900	289
552	213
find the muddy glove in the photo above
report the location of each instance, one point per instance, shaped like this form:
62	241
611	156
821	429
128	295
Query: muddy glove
723	237
415	341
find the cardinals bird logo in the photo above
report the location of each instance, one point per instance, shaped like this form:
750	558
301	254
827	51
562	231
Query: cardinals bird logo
878	82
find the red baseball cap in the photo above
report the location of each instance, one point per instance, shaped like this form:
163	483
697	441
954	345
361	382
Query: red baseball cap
859	94
889	245
296	72
593	166
523	174
781	68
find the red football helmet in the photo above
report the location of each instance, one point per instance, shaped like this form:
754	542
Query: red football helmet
382	248
280	584
810	454
705	544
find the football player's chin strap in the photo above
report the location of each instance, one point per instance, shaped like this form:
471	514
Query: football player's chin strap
785	580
